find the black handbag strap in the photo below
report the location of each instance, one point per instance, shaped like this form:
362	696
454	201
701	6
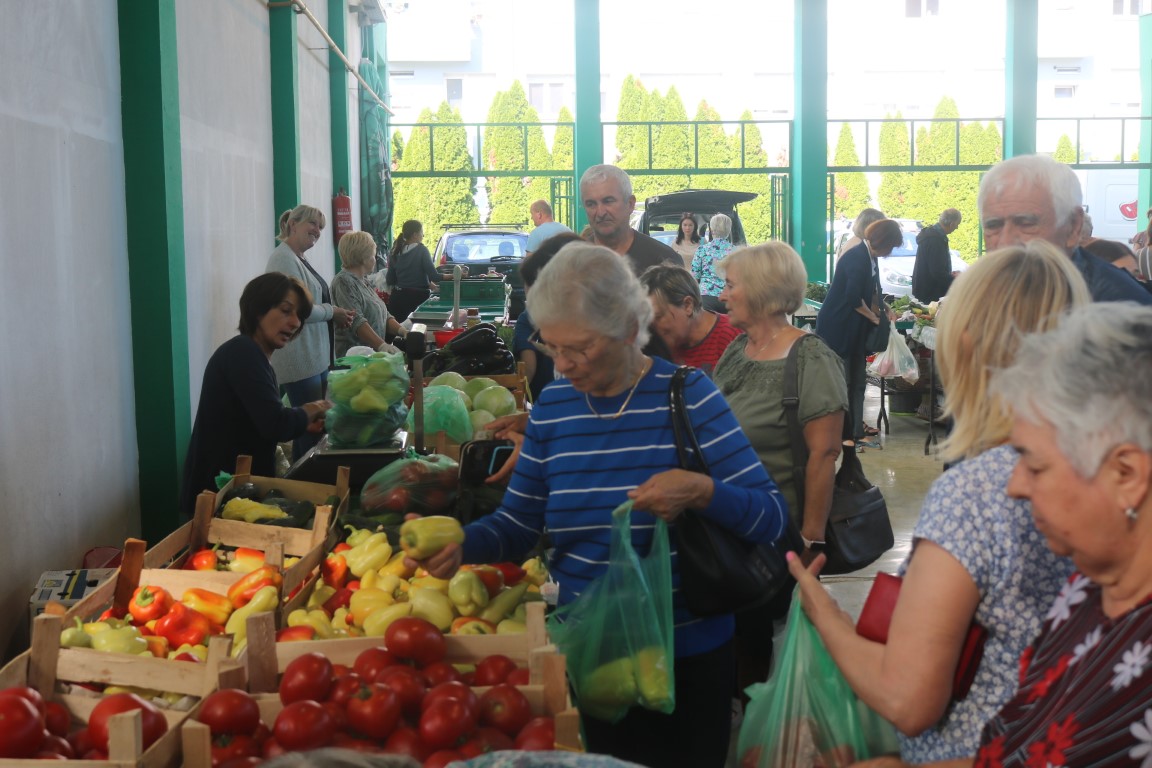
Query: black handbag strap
687	446
792	413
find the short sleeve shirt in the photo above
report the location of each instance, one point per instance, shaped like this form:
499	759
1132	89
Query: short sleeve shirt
707	353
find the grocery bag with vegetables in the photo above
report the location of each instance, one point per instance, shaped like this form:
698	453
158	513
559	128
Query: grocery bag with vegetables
424	485
445	410
368	401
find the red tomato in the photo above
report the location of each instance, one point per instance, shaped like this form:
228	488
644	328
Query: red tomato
505	708
154	723
230	711
446	723
406	741
303	725
344	740
440	672
56	745
344	688
493	670
372	660
519	676
243	762
486	740
307	677
31	694
538	735
452	690
374	710
442	757
57	718
339	670
396	499
415	639
81	741
232	746
271	749
408	684
338	712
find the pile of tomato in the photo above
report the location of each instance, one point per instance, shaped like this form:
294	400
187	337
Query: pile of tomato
31	727
401	699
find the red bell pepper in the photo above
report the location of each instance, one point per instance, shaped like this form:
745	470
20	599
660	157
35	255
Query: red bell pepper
202	560
491	577
342	599
334	571
149	603
182	625
341	547
243	590
513	573
290	634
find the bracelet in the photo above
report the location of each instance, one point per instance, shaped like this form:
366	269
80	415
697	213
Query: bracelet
815	546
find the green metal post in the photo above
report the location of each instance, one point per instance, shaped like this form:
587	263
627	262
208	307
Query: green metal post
1145	188
338	104
809	136
150	112
588	135
285	108
1020	77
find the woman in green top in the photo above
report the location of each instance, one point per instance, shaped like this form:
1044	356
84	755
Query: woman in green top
371	323
763	285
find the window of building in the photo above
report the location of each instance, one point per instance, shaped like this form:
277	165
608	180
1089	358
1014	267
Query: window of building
536	96
1126	7
1064	91
918	8
455	87
546	98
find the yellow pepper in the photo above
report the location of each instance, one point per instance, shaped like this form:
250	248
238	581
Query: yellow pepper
316	619
432	605
320	595
199	651
468	593
369	554
397	565
430	582
425	536
504	603
394	585
265	599
365	601
377	622
534	571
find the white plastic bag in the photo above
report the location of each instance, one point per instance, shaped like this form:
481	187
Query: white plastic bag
896	361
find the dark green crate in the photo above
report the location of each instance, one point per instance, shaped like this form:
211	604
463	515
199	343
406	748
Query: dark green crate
472	289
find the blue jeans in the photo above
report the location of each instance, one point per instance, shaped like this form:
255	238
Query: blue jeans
301	392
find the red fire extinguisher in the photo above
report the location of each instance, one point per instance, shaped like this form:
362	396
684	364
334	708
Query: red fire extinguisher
341	215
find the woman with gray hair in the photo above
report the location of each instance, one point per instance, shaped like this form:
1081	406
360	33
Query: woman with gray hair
694	336
371	322
704	262
602	435
1081	428
856	235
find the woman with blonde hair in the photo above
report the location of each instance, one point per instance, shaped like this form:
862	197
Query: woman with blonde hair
302	366
371	322
976	554
863	219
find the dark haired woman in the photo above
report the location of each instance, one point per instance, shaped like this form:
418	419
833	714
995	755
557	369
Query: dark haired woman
687	239
240	411
410	271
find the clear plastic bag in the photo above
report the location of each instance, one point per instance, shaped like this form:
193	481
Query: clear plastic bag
806	716
348	429
444	411
424	485
617	636
896	361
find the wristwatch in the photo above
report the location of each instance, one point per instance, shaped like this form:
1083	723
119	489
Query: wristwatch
814	546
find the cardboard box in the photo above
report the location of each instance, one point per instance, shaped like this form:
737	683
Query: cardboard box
66	587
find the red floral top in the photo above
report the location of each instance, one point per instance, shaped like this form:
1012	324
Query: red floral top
1083	698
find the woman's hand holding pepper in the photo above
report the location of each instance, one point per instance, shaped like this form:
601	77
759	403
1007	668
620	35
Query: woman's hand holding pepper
443	564
669	493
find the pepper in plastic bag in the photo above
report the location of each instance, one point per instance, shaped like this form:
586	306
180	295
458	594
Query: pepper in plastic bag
617	636
806	715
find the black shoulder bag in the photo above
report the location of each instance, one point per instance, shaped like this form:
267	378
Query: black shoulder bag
721	572
859	530
877	338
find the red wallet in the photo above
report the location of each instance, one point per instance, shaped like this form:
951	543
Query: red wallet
876	616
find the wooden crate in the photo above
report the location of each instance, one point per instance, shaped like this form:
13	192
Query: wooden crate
46	663
547	689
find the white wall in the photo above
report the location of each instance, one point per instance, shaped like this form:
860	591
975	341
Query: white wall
68	478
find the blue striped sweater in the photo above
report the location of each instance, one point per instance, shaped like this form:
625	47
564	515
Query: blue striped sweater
575	468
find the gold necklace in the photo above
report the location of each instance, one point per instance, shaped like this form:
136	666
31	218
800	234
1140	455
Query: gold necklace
768	343
619	413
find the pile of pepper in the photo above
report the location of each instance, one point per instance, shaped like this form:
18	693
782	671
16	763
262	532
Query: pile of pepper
366	585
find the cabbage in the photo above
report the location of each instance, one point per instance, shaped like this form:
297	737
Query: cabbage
496	400
480	419
449	379
474	386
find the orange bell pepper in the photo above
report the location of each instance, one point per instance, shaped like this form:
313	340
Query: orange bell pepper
334	570
242	591
215	606
291	634
149	603
246	560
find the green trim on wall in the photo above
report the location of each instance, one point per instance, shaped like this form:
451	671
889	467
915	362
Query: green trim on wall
338	104
1020	77
809	136
285	108
154	205
1145	185
588	134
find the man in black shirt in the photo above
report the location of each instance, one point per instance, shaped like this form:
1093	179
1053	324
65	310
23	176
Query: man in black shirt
606	193
932	275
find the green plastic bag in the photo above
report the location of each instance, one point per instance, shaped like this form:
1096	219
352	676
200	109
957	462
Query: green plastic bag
806	715
348	429
617	636
444	411
372	385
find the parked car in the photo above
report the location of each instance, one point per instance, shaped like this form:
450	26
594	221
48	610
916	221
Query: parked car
662	213
896	269
484	248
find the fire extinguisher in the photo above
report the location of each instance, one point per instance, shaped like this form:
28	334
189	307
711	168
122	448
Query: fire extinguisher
341	215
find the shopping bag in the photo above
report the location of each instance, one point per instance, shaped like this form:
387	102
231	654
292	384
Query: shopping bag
896	361
367	401
805	715
617	635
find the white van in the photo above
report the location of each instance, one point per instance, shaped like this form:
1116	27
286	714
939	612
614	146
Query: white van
1111	198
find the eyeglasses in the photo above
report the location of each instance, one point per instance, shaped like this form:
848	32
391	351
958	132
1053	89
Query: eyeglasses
579	356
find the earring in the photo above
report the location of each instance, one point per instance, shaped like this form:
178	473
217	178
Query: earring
1131	514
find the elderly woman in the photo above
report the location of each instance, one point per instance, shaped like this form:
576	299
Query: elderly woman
687	239
302	366
763	285
602	435
863	219
694	335
975	553
371	322
1082	432
410	271
240	411
846	315
704	262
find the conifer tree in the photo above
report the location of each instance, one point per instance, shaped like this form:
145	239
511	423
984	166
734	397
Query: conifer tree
632	140
673	147
504	150
934	191
714	150
756	215
397	147
851	191
895	186
435	201
1065	152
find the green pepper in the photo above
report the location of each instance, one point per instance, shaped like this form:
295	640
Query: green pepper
504	603
609	690
76	637
356	535
468	593
265	599
126	639
425	536
369	554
